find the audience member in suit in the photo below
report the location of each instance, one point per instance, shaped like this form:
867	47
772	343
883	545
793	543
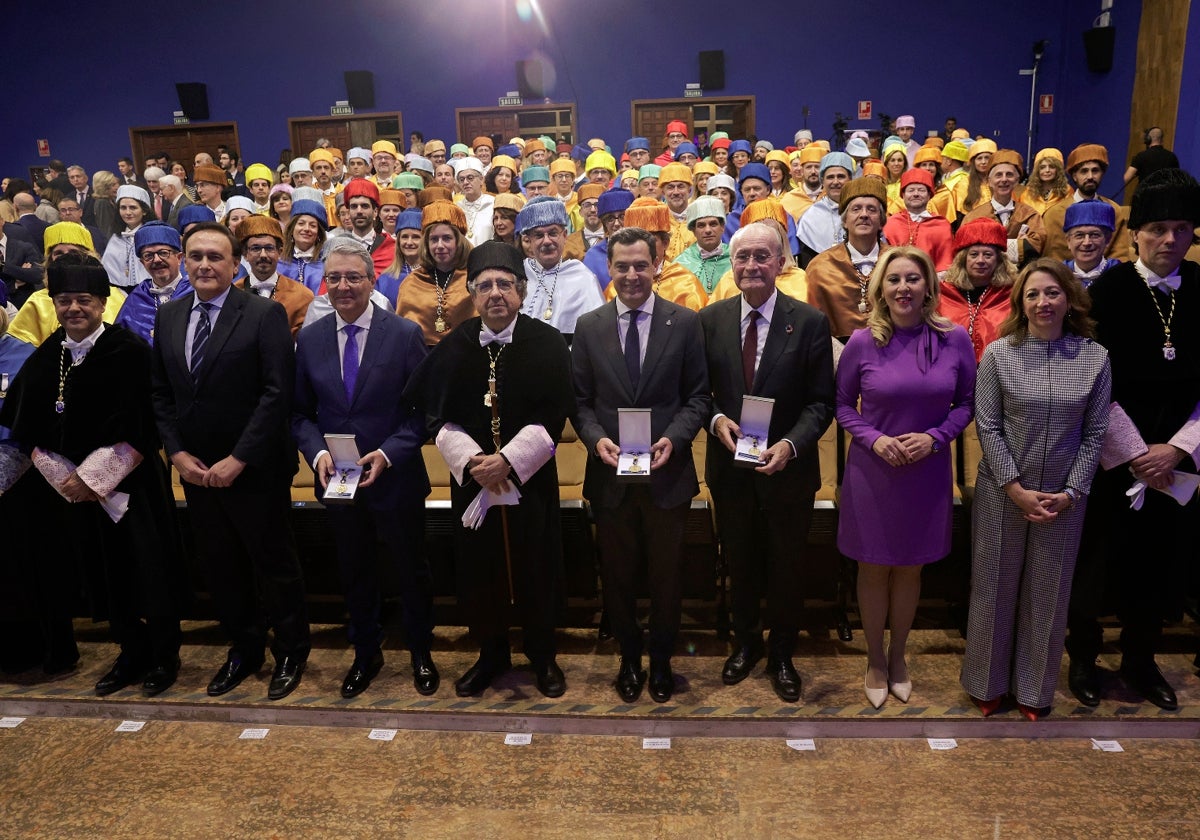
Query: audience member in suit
765	344
174	193
77	186
127	173
26	207
224	371
20	264
351	370
70	211
60	176
640	351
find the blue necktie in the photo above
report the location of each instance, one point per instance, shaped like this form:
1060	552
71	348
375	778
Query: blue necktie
633	349
350	360
200	338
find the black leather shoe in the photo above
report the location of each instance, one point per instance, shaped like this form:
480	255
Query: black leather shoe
1149	682
124	672
784	679
426	678
630	679
1084	681
160	678
741	663
231	674
662	681
359	677
480	675
285	678
550	679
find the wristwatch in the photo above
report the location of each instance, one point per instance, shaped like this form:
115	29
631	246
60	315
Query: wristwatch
1072	495
937	446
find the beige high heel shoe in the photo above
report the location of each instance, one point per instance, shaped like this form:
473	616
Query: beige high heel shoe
875	696
900	690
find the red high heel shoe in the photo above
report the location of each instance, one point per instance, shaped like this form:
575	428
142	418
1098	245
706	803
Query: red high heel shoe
1031	712
988	707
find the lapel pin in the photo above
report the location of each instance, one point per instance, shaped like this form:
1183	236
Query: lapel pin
788	329
668	322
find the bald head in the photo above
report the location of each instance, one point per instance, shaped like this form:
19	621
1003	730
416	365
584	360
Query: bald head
24	203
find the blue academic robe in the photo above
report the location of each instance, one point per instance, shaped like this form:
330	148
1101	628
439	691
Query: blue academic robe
138	311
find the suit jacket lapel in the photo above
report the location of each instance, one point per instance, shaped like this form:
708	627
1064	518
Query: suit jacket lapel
372	352
175	342
731	337
660	335
231	313
782	325
613	351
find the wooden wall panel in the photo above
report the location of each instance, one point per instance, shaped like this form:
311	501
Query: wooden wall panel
1162	36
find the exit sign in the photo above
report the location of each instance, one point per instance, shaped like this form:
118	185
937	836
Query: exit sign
506	101
693	93
341	111
181	120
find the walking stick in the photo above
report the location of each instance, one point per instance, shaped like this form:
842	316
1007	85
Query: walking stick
493	402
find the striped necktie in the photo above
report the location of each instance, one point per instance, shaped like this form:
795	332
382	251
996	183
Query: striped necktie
200	338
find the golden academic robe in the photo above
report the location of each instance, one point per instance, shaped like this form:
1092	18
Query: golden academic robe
836	288
293	296
417	301
1029	244
796	201
681	238
793	282
676	284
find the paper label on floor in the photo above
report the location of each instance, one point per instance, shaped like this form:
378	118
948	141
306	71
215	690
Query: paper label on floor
253	734
382	734
11	722
131	726
656	743
802	744
1107	746
518	739
942	743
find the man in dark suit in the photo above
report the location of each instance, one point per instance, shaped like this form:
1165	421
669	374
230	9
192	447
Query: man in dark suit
127	173
20	264
70	211
765	344
175	196
224	371
26	207
77	178
640	351
351	370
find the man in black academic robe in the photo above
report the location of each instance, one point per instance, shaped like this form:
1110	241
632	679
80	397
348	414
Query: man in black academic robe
84	395
534	398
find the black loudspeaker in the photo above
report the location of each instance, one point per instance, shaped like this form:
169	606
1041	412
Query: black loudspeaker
712	70
531	79
193	99
360	88
1099	43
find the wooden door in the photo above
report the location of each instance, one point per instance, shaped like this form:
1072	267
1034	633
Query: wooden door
734	114
346	132
181	142
557	120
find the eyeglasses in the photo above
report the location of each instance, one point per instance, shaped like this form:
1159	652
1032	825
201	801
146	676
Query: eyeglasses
351	279
1086	235
162	254
503	286
262	249
760	257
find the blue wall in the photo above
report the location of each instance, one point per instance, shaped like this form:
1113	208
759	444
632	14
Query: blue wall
429	58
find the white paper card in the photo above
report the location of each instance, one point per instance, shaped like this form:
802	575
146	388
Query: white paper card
382	734
942	743
131	726
802	744
344	452
656	743
1107	746
518	739
755	425
11	722
253	734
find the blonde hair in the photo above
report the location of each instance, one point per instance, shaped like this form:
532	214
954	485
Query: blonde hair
1004	275
104	184
3	321
879	322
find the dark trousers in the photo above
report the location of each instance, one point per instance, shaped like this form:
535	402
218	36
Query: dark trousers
633	529
1144	555
535	549
764	541
365	539
245	543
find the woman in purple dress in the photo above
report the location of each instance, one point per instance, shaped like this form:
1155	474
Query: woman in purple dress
914	372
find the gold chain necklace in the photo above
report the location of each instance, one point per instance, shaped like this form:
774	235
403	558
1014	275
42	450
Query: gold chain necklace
1168	349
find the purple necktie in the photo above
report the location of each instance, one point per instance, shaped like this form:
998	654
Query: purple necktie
350	360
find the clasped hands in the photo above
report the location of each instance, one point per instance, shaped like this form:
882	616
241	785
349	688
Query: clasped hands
908	448
1037	506
490	472
194	471
1156	467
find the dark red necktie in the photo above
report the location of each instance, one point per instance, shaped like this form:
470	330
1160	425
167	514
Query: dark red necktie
750	350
